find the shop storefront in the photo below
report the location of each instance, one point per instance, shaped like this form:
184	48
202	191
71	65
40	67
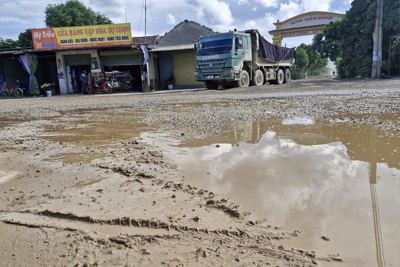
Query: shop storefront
183	75
178	61
123	68
70	65
102	50
14	72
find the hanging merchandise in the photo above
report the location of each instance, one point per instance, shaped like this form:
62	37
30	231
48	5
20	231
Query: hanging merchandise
120	80
97	75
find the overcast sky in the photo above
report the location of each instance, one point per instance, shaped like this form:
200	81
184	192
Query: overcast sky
162	15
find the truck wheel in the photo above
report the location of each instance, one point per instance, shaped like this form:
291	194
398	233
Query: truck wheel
279	77
258	78
287	75
244	80
211	85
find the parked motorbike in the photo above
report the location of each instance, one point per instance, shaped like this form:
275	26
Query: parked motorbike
104	88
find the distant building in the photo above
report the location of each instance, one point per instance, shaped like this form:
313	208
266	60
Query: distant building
174	53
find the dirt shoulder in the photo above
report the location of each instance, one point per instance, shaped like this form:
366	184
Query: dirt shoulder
74	193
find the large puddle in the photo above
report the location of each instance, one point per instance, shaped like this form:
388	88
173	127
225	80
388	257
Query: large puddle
339	183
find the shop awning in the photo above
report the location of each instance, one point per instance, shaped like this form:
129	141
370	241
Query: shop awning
172	48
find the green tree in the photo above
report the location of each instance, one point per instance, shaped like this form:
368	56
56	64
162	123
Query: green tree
349	42
7	43
302	61
318	60
309	61
25	39
73	13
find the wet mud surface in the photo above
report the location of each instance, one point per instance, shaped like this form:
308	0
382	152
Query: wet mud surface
149	179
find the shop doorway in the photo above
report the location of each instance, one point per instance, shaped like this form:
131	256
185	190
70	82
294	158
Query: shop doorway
76	64
74	74
123	68
124	78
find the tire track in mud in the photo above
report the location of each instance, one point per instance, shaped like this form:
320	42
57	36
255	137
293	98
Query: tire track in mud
55	217
125	231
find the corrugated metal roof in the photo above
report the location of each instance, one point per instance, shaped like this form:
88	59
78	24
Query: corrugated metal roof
15	52
172	47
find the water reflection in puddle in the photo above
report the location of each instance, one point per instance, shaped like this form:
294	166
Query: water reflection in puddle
339	181
335	180
95	134
70	158
82	184
4	122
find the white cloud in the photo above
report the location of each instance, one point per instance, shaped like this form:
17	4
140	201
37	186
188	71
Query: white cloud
289	10
268	3
316	5
215	12
171	20
251	24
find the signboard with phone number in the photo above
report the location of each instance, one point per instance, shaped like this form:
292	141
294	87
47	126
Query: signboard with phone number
82	36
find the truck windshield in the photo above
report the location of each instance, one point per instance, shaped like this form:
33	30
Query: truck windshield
215	46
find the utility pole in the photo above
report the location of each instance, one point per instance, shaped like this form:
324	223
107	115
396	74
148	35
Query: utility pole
145	21
377	36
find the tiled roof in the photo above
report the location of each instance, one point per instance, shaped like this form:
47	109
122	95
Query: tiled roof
186	32
148	40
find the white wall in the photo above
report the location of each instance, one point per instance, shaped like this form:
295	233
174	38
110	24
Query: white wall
62	70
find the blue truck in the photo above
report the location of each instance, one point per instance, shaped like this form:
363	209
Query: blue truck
241	58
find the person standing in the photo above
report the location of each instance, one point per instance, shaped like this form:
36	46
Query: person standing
84	81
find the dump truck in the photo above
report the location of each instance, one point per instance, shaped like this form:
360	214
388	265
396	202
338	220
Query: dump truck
241	58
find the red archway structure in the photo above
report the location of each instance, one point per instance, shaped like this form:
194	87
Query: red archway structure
310	23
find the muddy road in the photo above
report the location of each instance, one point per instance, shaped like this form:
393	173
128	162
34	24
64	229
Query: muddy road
305	174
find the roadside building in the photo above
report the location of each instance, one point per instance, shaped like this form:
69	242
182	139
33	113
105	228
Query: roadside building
11	69
107	51
174	54
15	71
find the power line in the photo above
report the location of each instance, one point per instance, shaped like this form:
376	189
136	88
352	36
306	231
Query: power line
141	16
151	12
339	5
